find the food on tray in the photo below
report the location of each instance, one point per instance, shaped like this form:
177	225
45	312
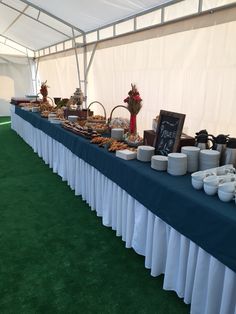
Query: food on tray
101	140
133	139
45	113
115	145
97	118
99	127
78	129
119	123
60	113
46	106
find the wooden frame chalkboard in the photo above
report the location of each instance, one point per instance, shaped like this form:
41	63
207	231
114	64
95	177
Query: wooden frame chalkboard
169	130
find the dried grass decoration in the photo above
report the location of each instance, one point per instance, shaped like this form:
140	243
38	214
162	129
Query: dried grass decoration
44	91
134	104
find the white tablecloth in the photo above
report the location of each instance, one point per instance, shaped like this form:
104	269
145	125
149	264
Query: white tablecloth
196	276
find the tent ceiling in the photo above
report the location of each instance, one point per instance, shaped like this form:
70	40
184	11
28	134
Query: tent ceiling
37	24
89	14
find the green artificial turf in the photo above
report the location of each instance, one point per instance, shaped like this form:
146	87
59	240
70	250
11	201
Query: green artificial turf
56	257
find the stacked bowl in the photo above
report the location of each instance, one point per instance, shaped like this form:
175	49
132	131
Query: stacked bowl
209	159
192	153
177	164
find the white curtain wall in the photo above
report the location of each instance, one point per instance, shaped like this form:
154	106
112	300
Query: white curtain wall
15	80
61	74
187	66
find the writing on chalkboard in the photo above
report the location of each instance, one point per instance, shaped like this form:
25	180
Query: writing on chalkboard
169	129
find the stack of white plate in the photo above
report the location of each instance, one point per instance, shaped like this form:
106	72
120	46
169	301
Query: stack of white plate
73	118
209	159
159	163
117	133
52	116
145	153
192	153
55	120
35	109
177	164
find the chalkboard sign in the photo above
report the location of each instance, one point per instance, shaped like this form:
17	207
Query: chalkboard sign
169	129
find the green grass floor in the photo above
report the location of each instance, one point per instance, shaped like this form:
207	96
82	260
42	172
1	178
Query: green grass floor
56	257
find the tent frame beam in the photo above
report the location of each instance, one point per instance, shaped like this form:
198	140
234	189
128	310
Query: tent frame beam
31	17
53	16
16	19
26	48
162	7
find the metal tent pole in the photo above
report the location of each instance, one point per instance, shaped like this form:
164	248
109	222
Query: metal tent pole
76	57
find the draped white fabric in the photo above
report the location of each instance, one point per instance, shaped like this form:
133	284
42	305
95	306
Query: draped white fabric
185	67
15	80
196	276
61	74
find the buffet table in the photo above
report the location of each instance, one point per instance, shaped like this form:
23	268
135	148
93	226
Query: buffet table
183	233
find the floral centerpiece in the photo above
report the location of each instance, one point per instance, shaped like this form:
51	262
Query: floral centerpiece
44	91
134	104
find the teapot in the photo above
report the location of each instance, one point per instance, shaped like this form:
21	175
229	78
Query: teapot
220	142
202	139
230	152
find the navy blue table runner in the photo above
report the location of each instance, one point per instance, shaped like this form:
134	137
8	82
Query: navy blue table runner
205	220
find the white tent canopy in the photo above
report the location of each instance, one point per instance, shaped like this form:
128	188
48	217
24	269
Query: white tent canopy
181	54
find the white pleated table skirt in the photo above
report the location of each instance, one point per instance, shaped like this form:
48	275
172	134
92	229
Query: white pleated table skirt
192	273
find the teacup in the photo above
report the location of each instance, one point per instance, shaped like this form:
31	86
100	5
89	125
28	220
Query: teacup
197	184
228	187
210	189
225	196
198	177
225	169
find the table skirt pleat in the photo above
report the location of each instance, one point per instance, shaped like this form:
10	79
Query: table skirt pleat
191	272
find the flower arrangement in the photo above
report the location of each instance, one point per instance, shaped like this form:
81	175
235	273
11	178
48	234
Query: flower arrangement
44	90
134	104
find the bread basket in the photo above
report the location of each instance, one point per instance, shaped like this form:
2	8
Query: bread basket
92	119
126	129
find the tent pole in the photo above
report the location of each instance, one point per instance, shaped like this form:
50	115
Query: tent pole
85	77
30	71
76	57
36	74
87	68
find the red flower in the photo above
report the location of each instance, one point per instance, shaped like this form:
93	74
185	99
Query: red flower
126	100
137	98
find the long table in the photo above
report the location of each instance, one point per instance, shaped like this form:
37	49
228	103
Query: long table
164	209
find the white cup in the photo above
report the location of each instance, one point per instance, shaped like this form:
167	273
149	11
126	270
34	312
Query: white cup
225	196
212	180
227	187
197	184
210	189
199	175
